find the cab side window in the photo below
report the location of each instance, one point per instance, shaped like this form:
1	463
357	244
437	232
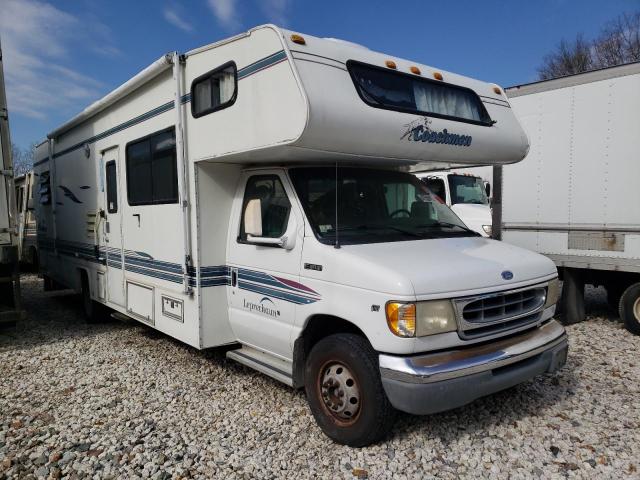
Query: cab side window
274	205
436	185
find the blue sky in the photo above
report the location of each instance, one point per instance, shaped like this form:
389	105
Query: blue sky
62	55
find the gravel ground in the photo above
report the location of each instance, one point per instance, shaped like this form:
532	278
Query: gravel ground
119	400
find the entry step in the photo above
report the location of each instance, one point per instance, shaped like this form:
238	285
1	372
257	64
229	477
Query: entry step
264	362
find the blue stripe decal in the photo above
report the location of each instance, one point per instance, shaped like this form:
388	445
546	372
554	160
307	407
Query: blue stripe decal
210	276
244	72
298	300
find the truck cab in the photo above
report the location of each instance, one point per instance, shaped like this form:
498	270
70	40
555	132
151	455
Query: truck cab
466	194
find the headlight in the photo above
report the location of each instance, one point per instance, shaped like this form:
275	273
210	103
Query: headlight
553	293
435	316
421	318
401	318
487	229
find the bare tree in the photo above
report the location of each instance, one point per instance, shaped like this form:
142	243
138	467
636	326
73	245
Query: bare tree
22	158
618	43
570	57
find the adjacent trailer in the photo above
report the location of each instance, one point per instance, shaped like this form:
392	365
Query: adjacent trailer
254	192
27	238
575	198
10	307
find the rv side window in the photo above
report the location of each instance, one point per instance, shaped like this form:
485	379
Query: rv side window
152	174
112	187
274	205
44	189
214	90
19	198
403	92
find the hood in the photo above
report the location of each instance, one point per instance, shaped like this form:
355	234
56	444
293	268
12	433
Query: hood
441	267
473	215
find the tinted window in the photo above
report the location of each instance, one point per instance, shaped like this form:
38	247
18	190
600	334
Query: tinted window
19	198
214	90
112	187
373	206
467	189
436	185
384	88
151	170
44	189
274	205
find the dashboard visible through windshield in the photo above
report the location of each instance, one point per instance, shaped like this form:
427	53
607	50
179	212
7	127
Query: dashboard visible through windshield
372	206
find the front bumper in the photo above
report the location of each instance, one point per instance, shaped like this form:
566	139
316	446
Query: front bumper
434	382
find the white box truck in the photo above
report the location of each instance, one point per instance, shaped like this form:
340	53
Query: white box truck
576	196
466	193
10	307
254	193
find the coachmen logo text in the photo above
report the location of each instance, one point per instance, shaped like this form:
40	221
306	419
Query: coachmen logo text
419	131
265	306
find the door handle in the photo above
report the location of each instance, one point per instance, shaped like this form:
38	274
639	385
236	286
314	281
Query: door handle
137	215
234	277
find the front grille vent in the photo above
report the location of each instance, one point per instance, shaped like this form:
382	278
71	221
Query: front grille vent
493	313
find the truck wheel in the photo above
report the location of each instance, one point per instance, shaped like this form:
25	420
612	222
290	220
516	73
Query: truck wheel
614	292
93	311
572	298
630	308
344	391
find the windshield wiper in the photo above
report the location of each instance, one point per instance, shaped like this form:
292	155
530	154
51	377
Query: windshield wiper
382	227
449	225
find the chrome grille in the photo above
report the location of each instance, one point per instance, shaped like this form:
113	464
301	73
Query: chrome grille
496	312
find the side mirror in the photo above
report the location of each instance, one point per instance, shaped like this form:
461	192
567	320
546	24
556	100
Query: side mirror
253	218
487	188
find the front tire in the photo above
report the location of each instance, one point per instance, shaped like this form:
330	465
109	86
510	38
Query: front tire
629	308
344	390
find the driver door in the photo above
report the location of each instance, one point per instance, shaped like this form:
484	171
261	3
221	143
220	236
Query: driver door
265	288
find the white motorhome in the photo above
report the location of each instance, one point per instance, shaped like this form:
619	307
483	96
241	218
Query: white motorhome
253	193
27	244
575	198
465	193
10	306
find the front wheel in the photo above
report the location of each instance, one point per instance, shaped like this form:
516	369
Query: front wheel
344	391
630	308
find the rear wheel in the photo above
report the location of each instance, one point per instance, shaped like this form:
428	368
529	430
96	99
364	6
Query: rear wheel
344	390
572	297
629	308
93	311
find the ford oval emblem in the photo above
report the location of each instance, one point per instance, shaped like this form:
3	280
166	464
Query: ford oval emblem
507	275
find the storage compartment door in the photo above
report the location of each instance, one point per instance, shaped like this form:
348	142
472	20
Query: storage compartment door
140	302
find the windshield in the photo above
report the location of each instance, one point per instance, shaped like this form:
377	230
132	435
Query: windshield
373	206
467	189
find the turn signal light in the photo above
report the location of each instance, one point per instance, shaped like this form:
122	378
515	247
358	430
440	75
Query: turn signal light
299	39
437	75
497	90
391	64
401	318
415	70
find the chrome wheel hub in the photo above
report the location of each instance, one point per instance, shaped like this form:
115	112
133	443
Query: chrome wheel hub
340	392
636	309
